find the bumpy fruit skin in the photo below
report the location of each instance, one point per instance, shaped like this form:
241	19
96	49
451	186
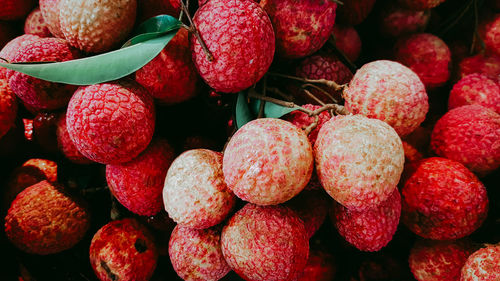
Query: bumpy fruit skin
439	260
258	240
488	65
240	36
112	21
443	200
9	51
302	27
49	225
138	184
482	265
388	91
195	194
8	107
37	93
190	248
312	208
354	12
358	160
50	13
490	33
469	134
123	250
396	21
302	120
268	161
111	123
475	88
15	9
34	24
66	145
369	230
419	5
171	77
427	55
348	41
320	267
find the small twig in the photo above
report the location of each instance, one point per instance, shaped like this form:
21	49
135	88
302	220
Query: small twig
312	96
280	93
326	93
328	83
194	30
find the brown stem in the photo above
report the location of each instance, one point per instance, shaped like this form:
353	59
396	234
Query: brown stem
280	93
312	126
328	83
323	91
312	96
194	30
5	60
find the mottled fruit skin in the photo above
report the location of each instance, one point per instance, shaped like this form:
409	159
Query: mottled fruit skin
258	240
37	93
123	250
50	13
490	33
268	161
443	200
395	21
488	65
475	88
190	248
34	24
302	120
469	134
15	9
111	123
8	107
47	226
369	230
420	5
354	12
348	41
240	36
358	160
9	51
427	55
195	194
112	21
301	27
312	208
138	184
482	265
320	267
171	76
390	92
66	145
439	260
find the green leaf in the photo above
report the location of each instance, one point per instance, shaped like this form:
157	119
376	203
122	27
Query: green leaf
154	35
243	113
271	110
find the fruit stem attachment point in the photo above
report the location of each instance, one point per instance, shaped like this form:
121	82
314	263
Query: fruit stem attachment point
192	28
329	83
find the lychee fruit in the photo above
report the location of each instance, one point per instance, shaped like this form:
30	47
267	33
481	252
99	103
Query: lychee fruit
347	40
8	107
469	134
258	240
490	34
475	88
50	13
427	55
138	184
420	5
320	267
439	260
488	65
302	120
123	250
196	254
66	145
45	219
268	161
15	9
312	208
9	51
34	24
195	194
359	160
171	76
443	200
111	123
482	265
354	12
396	21
301	27
388	91
111	23
240	37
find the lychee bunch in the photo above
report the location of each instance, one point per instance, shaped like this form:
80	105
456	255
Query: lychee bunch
475	88
482	265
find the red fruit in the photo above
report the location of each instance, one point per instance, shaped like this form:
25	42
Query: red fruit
348	41
171	76
15	9
312	208
50	13
482	265
111	123
354	12
259	240
428	56
411	153
35	92
138	184
396	21
490	33
487	65
241	39
320	267
469	134
36	25
9	51
302	27
8	107
475	88
439	260
197	254
123	250
302	120
369	230
442	200
66	145
420	5
195	194
150	8
268	161
44	219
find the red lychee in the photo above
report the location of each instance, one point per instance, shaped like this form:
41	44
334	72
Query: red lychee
482	265
15	9
197	254
396	21
66	145
490	33
195	194
240	37
259	240
475	88
138	184
44	219
8	107
420	5
469	134
312	208
35	24
488	65
354	12
359	160
348	41
302	120
388	91
123	250
268	161
443	200
9	51
50	13
320	267
111	123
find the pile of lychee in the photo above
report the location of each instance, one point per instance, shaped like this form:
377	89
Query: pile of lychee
389	171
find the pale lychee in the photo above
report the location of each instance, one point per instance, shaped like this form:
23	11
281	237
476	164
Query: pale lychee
50	13
482	265
34	24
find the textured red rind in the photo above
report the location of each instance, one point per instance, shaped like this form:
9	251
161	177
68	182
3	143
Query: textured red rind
348	41
488	65
354	12
482	265
8	107
66	145
475	88
15	9
34	24
302	120
9	51
490	33
50	13
395	21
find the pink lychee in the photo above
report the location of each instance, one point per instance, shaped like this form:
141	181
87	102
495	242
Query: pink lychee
488	65
482	265
475	88
9	51
348	41
35	24
50	13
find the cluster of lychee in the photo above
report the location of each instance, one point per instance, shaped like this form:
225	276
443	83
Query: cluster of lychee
252	208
